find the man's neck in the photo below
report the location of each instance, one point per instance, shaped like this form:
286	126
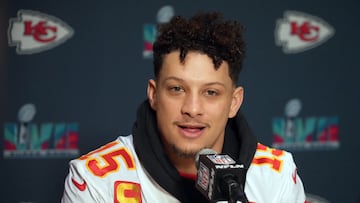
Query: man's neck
184	165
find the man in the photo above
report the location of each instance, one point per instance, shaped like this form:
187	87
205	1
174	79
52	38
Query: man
193	103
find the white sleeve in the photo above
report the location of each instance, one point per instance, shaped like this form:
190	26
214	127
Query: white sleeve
76	188
272	178
292	189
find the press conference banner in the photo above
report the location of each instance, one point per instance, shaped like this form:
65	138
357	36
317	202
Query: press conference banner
72	74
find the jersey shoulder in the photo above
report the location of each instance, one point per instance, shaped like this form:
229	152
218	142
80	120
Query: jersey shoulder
273	174
97	174
277	160
107	160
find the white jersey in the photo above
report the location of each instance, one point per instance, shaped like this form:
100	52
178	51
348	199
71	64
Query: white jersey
113	173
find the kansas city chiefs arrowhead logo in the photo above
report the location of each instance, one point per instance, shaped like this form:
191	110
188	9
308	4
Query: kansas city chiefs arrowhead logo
298	32
34	32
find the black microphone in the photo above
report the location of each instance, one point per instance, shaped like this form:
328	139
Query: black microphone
218	177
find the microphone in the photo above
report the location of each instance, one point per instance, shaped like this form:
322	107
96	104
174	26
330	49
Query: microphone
218	177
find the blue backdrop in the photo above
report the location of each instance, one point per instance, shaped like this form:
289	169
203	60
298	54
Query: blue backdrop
73	72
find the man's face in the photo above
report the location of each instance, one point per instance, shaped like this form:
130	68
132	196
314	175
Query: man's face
193	102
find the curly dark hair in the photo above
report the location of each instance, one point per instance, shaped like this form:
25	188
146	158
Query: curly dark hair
207	33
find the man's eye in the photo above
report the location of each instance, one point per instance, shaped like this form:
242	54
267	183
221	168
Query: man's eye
176	89
211	92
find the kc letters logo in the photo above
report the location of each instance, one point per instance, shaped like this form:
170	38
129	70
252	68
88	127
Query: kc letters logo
298	32
34	32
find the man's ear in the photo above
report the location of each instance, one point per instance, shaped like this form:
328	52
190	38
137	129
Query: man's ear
151	93
237	99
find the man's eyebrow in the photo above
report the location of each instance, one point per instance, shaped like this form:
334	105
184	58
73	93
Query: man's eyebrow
173	78
181	80
215	83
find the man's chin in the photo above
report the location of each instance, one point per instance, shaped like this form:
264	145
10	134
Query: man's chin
185	152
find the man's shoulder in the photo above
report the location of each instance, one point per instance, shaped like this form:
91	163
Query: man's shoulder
274	161
111	161
120	147
272	167
274	173
108	168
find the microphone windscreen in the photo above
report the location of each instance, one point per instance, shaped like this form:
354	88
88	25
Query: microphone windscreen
205	151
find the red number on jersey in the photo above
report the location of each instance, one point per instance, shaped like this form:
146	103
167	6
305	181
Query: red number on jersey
108	162
128	192
273	159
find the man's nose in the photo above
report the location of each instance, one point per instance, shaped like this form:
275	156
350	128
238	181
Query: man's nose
192	105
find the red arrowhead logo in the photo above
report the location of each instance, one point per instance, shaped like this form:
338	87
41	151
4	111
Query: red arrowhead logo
33	32
298	32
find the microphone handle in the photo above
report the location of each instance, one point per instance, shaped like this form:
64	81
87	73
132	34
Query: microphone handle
234	189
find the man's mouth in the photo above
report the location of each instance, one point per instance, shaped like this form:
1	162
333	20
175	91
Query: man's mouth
191	130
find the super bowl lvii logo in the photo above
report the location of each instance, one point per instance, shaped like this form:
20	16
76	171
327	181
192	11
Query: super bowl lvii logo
293	132
164	15
26	139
